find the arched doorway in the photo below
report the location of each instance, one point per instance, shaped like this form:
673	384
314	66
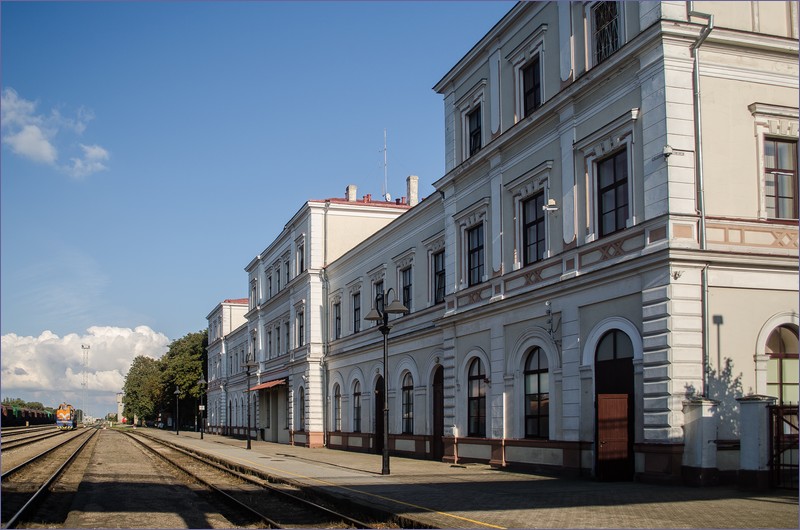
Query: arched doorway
437	437
379	397
614	406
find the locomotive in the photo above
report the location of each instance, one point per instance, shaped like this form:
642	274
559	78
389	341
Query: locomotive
66	418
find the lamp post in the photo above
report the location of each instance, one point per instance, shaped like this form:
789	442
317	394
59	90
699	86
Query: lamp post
202	383
248	366
177	400
380	314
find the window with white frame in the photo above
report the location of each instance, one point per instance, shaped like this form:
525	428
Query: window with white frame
776	148
337	408
301	409
357	407
612	192
475	255
405	286
436	276
439	276
473	226
610	177
253	293
356	305
277	340
301	329
470	108
530	194
408	404
337	320
277	277
606	26
286	271
528	63
268	276
269	344
288	335
300	258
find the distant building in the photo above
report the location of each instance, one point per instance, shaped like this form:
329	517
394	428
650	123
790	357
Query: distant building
611	254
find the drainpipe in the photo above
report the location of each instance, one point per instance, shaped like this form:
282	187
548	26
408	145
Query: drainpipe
325	326
701	207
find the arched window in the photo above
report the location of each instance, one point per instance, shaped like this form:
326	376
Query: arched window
782	368
337	408
476	399
408	404
357	407
301	409
537	395
615	344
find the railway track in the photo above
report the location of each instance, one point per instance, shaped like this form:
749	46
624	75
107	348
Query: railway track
22	439
24	486
269	504
108	478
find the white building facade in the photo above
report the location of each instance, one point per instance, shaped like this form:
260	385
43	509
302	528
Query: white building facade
613	248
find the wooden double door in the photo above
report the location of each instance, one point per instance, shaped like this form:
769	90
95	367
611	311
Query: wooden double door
614	420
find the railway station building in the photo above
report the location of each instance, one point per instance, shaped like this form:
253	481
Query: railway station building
604	281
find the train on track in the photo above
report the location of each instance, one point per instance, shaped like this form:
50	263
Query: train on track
66	417
20	416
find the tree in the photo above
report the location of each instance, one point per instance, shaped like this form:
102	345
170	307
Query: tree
184	363
143	389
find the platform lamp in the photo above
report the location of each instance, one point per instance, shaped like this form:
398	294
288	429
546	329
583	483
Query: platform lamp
177	400
202	383
249	365
380	314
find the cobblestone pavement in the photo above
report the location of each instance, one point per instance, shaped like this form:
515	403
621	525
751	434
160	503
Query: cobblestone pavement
478	496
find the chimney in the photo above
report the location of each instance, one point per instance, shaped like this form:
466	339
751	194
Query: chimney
351	193
412	189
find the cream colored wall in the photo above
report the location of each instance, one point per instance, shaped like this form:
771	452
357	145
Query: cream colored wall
729	141
346	230
765	17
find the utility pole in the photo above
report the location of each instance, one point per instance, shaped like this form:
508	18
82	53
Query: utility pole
85	379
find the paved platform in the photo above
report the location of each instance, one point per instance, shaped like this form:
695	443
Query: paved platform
435	494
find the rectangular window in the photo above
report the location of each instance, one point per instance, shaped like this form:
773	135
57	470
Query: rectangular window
475	255
337	320
253	293
286	269
533	233
377	292
438	277
269	344
532	86
780	166
605	30
474	124
277	279
287	330
612	193
269	285
300	329
356	312
278	340
301	260
405	279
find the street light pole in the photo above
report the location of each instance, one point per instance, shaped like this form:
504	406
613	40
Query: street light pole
380	313
177	400
202	383
248	366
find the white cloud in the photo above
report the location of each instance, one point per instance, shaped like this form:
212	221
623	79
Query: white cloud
31	142
92	161
32	135
49	368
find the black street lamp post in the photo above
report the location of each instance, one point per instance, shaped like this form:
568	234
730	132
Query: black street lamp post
177	401
380	314
202	383
249	365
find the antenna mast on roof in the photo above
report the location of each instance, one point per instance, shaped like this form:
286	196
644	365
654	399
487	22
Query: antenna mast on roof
386	196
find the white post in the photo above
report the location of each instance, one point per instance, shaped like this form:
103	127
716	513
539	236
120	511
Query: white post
754	441
700	437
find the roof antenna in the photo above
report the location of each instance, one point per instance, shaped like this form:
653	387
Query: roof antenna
386	196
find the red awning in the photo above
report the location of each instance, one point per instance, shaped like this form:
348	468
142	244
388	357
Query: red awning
270	384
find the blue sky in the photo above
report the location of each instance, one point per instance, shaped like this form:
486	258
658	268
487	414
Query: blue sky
151	149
